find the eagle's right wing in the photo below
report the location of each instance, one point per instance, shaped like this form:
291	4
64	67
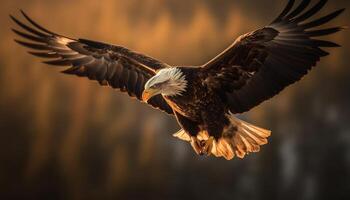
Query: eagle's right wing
110	65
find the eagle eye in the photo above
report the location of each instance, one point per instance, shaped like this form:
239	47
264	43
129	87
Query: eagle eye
158	85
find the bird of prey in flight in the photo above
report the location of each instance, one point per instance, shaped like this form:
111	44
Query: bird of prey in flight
204	99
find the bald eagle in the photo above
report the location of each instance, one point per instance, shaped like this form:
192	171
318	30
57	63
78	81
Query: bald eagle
204	99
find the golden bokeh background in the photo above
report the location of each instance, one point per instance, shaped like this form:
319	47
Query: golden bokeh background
64	137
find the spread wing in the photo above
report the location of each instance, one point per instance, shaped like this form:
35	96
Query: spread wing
110	65
262	63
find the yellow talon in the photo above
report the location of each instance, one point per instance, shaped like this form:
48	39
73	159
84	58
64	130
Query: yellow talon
208	145
195	145
202	147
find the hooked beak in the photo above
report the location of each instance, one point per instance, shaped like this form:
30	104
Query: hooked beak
148	93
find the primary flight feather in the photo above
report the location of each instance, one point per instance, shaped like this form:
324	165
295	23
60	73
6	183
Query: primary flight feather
204	99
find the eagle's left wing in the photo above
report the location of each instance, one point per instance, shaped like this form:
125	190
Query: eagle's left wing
262	63
110	65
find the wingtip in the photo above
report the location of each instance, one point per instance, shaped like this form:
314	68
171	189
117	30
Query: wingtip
16	31
17	41
24	14
32	22
12	17
340	11
285	11
335	45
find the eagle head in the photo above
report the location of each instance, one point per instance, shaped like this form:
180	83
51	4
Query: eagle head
167	82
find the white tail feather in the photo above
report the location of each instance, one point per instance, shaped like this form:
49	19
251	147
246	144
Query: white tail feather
182	135
243	138
238	139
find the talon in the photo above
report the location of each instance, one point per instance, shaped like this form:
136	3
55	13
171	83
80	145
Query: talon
208	145
196	145
202	147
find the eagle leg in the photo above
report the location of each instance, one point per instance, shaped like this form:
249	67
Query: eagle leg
202	147
208	144
196	145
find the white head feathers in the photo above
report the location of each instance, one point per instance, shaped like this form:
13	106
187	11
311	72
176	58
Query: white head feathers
169	82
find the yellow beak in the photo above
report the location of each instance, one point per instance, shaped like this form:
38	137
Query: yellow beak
148	93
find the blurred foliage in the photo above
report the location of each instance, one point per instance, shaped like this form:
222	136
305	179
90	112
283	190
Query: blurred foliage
68	138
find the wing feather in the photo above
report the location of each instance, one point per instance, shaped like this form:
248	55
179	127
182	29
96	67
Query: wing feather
322	32
322	20
271	58
285	10
310	12
299	9
108	64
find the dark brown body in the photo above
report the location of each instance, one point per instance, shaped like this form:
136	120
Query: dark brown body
199	107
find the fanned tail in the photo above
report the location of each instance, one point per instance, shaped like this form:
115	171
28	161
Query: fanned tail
239	138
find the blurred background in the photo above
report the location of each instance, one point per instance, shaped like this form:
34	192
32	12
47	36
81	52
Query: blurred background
64	137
